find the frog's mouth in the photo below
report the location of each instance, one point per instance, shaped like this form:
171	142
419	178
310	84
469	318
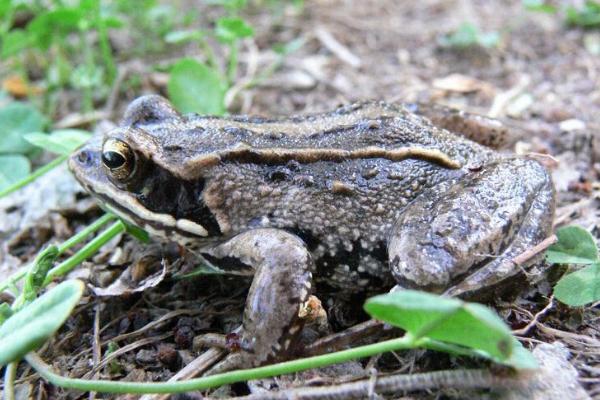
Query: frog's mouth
87	167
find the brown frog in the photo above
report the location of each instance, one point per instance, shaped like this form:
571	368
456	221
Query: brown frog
361	197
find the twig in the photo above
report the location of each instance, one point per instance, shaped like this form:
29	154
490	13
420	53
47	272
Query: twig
333	45
114	91
459	379
97	349
125	349
564	213
76	120
534	321
534	251
9	381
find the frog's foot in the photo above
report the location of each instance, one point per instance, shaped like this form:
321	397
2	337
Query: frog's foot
278	295
465	236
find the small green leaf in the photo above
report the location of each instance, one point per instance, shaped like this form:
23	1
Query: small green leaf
30	327
5	312
35	278
178	37
137	232
229	30
575	246
230	4
580	287
586	17
539	6
16	119
13	168
62	141
194	87
468	35
285	49
446	319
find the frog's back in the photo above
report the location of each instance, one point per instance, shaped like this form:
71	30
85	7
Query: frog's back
358	131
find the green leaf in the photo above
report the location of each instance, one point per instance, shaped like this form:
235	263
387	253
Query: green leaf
46	27
285	49
468	35
30	327
178	37
230	4
229	30
13	168
14	42
580	287
194	87
575	246
137	232
5	312
521	358
34	280
539	6
586	17
446	319
62	141
16	119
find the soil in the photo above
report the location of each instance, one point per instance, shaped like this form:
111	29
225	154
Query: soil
542	79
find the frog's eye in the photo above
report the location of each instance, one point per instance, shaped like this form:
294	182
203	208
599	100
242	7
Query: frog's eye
118	157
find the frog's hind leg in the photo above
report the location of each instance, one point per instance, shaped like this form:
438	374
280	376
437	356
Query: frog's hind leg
281	286
463	236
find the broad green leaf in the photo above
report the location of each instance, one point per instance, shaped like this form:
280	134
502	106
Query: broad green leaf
446	319
51	25
231	29
13	168
16	119
575	246
62	141
195	88
30	327
14	42
580	287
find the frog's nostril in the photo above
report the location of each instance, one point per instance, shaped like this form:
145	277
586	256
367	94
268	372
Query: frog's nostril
84	157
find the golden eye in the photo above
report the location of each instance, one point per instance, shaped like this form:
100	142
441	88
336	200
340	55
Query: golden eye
118	157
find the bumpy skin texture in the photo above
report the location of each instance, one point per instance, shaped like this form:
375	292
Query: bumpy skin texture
348	195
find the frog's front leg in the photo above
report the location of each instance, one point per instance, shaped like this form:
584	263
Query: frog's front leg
462	237
282	284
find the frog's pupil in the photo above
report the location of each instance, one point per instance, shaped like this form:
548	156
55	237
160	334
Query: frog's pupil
112	159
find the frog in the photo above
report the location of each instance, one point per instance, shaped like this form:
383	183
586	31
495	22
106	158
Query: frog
364	197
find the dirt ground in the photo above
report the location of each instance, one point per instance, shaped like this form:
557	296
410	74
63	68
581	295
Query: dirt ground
542	79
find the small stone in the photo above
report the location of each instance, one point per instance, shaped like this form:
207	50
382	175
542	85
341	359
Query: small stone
555	380
572	124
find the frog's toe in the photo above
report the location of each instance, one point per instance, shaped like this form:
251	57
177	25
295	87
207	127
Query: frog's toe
470	232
